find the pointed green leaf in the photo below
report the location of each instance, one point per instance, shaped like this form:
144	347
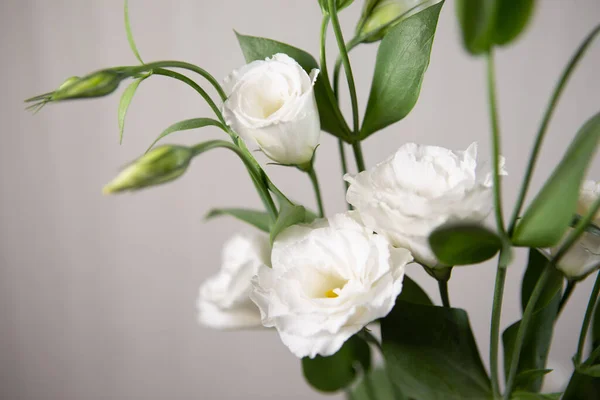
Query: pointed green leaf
538	338
596	327
464	244
521	395
187	124
258	219
402	60
590	370
512	18
413	293
530	377
124	104
430	353
582	387
375	385
257	48
330	374
289	214
551	212
130	34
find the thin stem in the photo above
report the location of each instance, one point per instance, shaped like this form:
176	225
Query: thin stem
344	167
495	327
360	162
566	295
335	23
546	121
338	66
315	182
495	141
443	286
524	325
587	320
184	65
324	76
194	85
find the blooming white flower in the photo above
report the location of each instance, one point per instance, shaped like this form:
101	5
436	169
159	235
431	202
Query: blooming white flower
223	301
272	104
329	279
584	255
419	188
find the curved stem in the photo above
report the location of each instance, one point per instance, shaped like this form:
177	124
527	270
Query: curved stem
360	162
194	85
335	23
491	78
566	296
338	65
315	182
546	121
443	286
587	320
524	325
495	327
184	65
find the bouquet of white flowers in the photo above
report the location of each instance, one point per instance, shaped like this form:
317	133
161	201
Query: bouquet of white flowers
324	281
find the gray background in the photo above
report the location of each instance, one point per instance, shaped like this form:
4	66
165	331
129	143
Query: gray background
97	293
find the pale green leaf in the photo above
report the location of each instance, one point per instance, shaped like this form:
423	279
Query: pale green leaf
187	124
124	104
258	219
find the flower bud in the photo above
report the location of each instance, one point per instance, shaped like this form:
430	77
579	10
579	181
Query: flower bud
377	13
96	84
160	165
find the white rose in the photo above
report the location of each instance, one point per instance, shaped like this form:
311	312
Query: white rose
329	279
419	188
271	103
584	255
223	301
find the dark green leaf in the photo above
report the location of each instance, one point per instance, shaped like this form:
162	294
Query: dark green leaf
375	385
463	244
538	337
257	48
551	212
330	374
590	370
530	377
124	104
187	124
289	214
596	327
582	387
476	20
402	60
431	354
520	395
259	219
413	293
512	17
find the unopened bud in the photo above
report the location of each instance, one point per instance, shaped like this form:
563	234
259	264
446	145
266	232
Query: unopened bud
160	165
96	84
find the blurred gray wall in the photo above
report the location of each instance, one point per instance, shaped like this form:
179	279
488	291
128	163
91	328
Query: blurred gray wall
97	293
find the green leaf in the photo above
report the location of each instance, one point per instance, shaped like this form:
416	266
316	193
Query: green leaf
413	293
330	374
130	34
476	20
124	104
258	219
187	124
530	377
289	214
257	48
521	395
463	244
430	353
590	370
512	17
582	387
538	337
596	326
375	385
551	212
402	60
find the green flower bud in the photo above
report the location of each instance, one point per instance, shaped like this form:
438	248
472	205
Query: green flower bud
340	5
96	84
377	14
160	165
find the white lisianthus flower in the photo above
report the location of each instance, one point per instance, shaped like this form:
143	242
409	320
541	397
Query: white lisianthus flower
223	301
329	279
272	103
419	188
584	255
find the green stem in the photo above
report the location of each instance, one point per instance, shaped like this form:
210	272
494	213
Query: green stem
315	182
335	23
587	320
194	85
546	121
324	76
495	141
524	325
344	166
443	286
495	327
338	66
566	296
360	162
184	65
